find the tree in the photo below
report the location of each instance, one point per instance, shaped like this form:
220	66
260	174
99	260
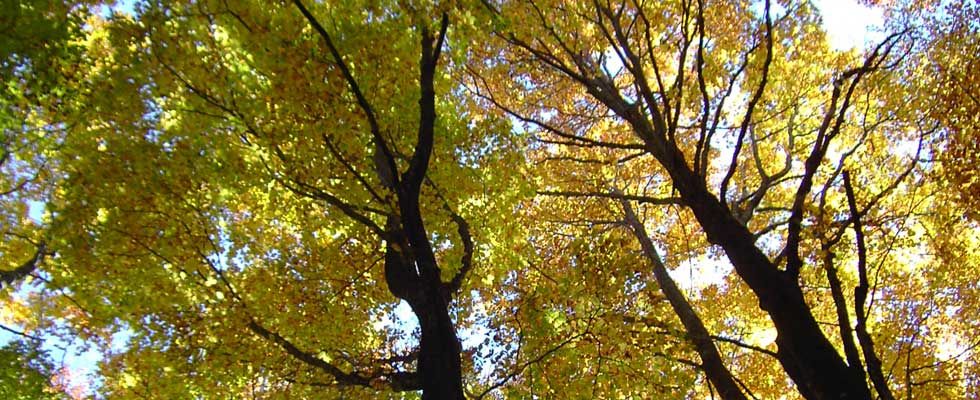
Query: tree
569	199
753	124
957	97
341	159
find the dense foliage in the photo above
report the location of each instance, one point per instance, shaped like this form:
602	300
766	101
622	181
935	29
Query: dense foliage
493	199
27	373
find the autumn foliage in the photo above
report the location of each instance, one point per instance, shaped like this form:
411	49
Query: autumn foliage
493	199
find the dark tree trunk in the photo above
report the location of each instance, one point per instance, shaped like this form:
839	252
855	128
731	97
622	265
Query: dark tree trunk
439	357
804	351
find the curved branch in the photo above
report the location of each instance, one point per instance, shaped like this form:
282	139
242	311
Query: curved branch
467	262
21	334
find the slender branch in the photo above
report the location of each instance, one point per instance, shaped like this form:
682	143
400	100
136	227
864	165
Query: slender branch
744	345
386	164
513	374
463	228
702	86
21	334
860	296
704	142
697	333
747	119
574	140
820	145
308	191
617	196
350	168
840	305
635	67
400	381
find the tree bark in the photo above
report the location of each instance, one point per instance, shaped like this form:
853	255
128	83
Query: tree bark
439	363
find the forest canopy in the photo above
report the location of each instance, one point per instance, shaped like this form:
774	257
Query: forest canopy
690	199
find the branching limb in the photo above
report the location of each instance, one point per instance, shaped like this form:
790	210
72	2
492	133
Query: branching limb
517	372
635	67
829	128
843	319
415	174
873	202
747	119
350	168
463	228
306	190
399	381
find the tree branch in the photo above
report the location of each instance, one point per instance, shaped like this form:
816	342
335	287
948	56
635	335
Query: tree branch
415	174
386	162
747	119
711	360
744	345
860	296
616	195
527	364
843	320
399	381
21	334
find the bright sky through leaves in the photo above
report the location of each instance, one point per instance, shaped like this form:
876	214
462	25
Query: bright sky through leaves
850	24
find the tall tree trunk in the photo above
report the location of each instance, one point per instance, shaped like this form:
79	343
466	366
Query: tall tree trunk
804	351
411	270
439	357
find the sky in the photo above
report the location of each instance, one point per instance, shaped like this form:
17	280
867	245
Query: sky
849	25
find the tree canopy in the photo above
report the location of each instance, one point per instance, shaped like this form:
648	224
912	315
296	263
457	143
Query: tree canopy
493	199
